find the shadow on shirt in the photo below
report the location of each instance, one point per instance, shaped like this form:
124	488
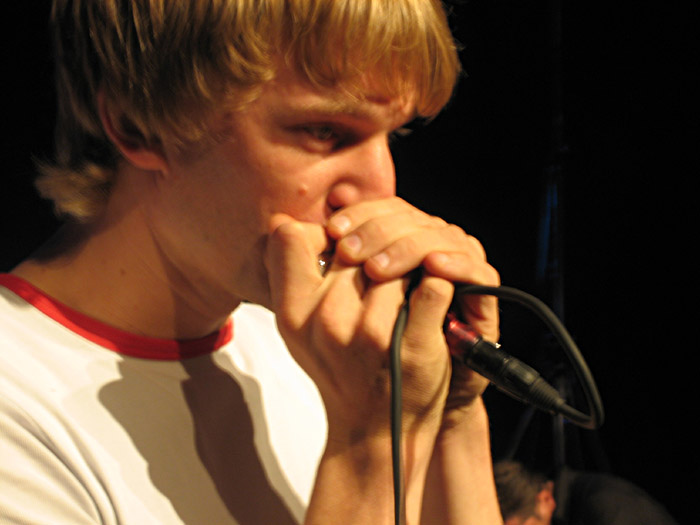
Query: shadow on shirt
190	422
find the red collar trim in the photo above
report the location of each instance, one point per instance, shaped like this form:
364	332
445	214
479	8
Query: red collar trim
112	338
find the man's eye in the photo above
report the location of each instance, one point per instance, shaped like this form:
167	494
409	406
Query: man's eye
321	133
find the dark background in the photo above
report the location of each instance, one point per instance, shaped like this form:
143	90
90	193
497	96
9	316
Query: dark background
623	159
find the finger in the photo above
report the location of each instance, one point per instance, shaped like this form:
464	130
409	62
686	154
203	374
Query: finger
481	311
340	306
329	303
347	219
381	304
376	234
394	240
466	267
408	251
429	303
425	359
291	260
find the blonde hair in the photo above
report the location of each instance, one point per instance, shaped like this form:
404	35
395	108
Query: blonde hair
167	64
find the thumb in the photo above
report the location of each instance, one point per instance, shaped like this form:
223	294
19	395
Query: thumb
429	304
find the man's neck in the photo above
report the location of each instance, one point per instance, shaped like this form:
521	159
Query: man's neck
114	272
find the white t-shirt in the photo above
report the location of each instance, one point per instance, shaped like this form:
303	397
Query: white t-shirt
225	429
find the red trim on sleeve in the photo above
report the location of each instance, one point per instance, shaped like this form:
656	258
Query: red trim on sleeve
113	338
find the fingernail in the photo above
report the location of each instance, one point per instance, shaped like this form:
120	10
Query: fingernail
441	259
381	260
341	223
352	244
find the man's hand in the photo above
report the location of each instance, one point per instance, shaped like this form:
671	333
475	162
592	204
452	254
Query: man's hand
351	310
338	325
390	238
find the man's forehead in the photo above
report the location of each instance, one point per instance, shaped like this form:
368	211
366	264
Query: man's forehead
355	99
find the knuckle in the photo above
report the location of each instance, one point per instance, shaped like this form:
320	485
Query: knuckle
434	291
440	223
378	229
325	319
492	277
397	201
375	336
456	234
287	232
477	246
407	245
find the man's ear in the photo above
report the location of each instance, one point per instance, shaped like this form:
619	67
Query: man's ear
129	140
545	500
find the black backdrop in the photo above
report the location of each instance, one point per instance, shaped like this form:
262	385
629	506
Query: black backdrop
625	203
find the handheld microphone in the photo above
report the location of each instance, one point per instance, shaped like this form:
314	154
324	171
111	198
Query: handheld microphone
505	372
508	374
511	375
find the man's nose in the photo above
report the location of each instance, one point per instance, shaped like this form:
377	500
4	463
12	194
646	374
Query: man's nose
367	173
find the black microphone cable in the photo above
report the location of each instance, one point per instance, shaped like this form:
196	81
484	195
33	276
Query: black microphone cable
507	373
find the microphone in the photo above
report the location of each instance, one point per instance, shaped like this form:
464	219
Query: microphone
508	374
505	372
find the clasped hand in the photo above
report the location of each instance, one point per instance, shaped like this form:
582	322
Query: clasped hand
338	325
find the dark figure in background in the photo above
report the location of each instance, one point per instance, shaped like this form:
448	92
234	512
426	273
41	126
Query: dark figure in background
573	498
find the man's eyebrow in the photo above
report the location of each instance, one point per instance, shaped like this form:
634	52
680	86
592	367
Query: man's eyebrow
354	108
334	107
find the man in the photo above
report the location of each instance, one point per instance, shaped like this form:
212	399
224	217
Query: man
525	496
586	498
208	153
